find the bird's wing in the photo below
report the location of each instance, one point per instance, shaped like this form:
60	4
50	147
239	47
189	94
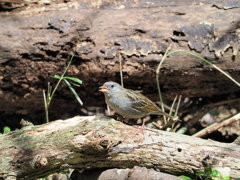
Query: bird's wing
141	102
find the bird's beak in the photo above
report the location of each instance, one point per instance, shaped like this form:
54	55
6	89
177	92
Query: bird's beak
103	89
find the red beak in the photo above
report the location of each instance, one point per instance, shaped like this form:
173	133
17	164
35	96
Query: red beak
103	89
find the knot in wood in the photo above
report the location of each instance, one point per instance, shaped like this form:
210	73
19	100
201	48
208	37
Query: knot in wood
38	161
104	143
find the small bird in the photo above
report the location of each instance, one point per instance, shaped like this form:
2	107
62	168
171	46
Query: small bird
129	103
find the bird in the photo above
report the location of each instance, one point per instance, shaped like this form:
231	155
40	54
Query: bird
129	103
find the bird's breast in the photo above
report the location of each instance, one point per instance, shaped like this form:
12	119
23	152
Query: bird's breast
123	106
119	102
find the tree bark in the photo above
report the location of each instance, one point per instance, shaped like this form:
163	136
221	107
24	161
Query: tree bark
100	142
37	39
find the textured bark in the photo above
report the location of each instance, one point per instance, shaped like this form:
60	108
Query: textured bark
37	38
99	142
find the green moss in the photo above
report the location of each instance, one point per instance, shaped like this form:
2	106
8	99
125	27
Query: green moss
4	165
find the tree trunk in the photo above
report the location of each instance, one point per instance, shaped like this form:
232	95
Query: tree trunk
37	39
100	142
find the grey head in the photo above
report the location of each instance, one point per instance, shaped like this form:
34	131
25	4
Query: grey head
110	87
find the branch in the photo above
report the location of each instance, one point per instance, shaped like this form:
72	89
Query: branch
101	142
217	125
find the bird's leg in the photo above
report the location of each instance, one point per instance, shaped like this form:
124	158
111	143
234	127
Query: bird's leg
142	127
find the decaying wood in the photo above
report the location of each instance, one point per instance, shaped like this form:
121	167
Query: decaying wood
100	142
37	38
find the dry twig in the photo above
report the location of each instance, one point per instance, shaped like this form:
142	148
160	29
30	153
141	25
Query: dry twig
216	126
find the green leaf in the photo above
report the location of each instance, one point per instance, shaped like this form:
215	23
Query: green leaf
57	77
215	173
208	171
74	92
185	177
214	112
66	172
74	84
76	80
6	129
228	178
200	173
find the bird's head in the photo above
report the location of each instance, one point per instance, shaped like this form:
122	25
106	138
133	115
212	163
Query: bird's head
110	87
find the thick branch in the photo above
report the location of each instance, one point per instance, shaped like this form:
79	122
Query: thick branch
97	142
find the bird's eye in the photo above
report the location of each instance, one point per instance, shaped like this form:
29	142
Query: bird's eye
112	86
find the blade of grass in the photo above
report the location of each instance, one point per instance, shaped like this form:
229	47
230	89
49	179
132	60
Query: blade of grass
192	54
178	104
120	66
45	106
171	109
50	93
61	78
78	81
158	83
74	92
74	84
208	62
69	78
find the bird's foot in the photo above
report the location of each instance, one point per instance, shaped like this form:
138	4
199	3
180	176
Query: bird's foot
141	129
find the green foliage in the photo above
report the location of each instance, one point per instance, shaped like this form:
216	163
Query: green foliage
48	96
214	112
208	174
167	54
77	83
66	172
6	129
185	177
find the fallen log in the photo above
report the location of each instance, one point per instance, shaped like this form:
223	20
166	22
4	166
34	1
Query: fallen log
37	38
100	142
